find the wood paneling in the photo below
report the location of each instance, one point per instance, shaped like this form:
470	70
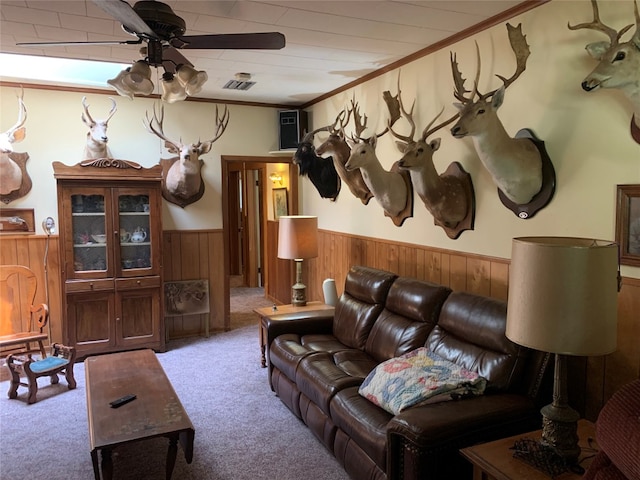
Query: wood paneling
200	254
592	380
192	255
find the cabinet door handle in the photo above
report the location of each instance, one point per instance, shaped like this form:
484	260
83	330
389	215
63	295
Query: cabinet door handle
117	319
138	282
91	285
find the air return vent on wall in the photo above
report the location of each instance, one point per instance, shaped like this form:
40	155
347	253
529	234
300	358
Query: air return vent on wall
241	82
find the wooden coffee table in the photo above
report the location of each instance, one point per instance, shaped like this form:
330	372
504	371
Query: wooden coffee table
155	412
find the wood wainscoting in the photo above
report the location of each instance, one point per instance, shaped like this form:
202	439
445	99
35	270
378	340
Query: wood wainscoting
190	255
592	380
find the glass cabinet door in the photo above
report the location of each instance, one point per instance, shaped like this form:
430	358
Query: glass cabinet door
89	232
135	231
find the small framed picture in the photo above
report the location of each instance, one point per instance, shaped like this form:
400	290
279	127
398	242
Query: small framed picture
628	224
280	204
17	221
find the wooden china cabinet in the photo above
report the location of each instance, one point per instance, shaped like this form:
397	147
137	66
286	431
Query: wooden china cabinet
110	216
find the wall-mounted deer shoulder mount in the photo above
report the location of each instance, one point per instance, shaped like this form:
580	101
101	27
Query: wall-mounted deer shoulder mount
449	197
182	182
515	164
336	145
14	180
96	145
618	63
321	171
392	188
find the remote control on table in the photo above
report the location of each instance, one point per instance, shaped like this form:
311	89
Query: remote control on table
121	401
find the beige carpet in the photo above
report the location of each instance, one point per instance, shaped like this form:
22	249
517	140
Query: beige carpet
242	302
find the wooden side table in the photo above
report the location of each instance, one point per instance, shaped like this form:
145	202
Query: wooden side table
494	460
285	313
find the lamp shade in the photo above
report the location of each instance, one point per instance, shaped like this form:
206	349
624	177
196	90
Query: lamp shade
563	295
172	89
297	237
139	78
191	79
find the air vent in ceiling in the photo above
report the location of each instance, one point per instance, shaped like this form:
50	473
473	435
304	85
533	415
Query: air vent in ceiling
241	82
236	85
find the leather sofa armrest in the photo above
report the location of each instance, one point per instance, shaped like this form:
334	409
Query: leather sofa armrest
424	442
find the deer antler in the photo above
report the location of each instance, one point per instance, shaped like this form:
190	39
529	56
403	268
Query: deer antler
426	132
596	24
86	116
408	115
520	47
221	123
458	81
159	131
22	114
360	121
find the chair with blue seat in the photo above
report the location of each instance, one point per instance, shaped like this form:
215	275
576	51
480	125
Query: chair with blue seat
61	360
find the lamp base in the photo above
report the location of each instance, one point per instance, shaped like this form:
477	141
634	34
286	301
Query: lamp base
560	431
299	295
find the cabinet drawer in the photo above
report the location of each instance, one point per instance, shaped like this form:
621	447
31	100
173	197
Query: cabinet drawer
78	286
138	282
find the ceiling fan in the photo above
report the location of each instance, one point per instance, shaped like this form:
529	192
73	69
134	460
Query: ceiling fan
156	24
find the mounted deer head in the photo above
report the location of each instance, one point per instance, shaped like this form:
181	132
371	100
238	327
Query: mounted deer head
321	171
514	163
392	189
96	146
448	197
337	146
619	62
182	175
14	179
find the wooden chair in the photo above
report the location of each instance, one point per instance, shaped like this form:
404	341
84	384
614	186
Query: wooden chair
22	323
62	359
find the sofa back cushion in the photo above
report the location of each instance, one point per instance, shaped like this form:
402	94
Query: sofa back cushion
471	333
410	313
365	291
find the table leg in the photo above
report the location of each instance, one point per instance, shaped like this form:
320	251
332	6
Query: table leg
107	464
263	347
171	455
96	468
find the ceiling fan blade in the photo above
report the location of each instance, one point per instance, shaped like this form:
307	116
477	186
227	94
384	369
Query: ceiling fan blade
62	44
125	14
253	41
171	58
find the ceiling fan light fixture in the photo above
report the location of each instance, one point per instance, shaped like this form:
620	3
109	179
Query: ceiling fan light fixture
118	84
191	79
172	89
139	78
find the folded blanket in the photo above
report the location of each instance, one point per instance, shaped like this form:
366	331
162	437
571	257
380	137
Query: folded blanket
417	378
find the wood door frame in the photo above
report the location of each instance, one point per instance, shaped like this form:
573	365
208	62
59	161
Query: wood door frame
255	162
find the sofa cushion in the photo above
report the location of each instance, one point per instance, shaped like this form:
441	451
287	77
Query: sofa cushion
411	311
286	352
416	378
365	292
471	333
319	378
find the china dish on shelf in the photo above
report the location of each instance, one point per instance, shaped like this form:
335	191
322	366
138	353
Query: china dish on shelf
99	238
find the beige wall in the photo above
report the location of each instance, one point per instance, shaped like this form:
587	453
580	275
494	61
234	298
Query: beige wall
586	134
56	132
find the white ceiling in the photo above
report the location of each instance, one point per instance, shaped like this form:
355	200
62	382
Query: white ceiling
329	44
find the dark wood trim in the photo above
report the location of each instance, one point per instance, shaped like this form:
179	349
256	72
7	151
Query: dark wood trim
99	91
477	28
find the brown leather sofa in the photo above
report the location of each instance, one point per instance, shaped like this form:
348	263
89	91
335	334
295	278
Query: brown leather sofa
317	364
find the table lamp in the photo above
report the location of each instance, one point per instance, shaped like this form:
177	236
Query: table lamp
563	300
297	240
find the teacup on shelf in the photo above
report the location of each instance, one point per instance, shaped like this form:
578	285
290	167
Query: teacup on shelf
99	237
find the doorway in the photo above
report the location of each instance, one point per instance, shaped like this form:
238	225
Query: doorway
245	193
